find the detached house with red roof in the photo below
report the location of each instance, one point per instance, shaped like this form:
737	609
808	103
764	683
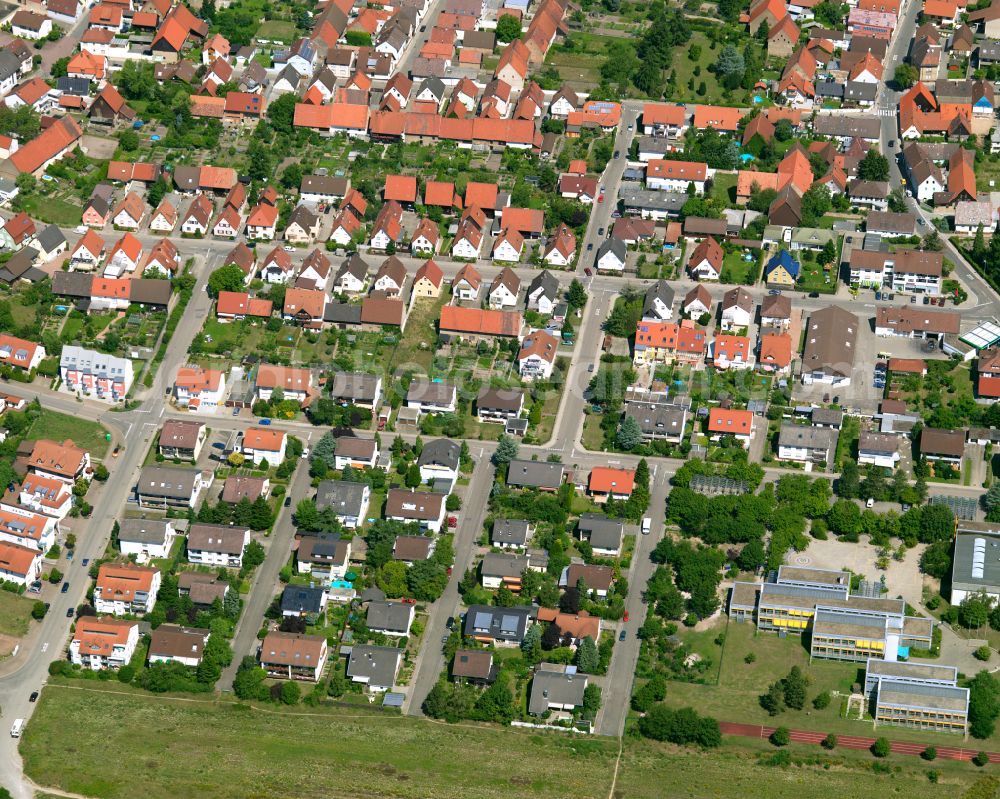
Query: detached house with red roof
561	247
199	389
164	218
262	222
537	356
124	256
988	370
125	588
724	422
607	483
261	444
130	212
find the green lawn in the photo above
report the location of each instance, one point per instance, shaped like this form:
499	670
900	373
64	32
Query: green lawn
58	427
52	210
737	270
355	752
812	277
277	30
15	614
685	68
724	188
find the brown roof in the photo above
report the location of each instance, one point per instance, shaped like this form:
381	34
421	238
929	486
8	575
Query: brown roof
596	578
181	433
942	442
383	311
169	640
417	505
292	649
831	335
237	487
907	319
473	663
412	547
777	307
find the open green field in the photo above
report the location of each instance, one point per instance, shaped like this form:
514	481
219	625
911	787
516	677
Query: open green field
685	68
277	30
15	614
58	427
812	277
194	748
52	210
735	269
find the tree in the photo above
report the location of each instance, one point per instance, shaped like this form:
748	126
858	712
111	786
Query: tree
783	130
249	680
822	700
531	644
992	499
781	737
506	450
587	658
974	611
412	478
874	166
290	693
629	435
983	705
936	560
226	278
849	482
844	518
281	112
25	182
815	203
325	449
683	726
253	555
508	28
794	689
937	523
881	747
905	76
930	753
576	296
830	742
38	610
392	579
773	701
591	699
496	704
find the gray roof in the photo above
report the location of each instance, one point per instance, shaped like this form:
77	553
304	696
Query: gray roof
900	224
79	87
440	452
829	88
616	247
302	599
323	184
167	481
605	533
660	290
827	416
807	436
391	616
434	85
345	498
9	64
666	201
860	91
50	238
502	624
143	531
867	127
547	283
877	442
354	386
424	390
933	697
830	338
535	474
510	531
342	313
555	687
976	563
497	564
378	664
503	399
657	418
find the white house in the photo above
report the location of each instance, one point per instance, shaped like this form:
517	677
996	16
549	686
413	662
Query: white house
146	538
611	256
217	544
879	449
21	565
126	589
99	644
504	289
537	356
263	444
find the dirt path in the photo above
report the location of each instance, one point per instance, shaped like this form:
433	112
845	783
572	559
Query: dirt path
852	741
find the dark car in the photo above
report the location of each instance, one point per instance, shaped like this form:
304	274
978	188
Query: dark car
65	588
590	246
814	294
69	613
621	636
587	271
85	561
288	501
450	623
33	697
617	154
600	231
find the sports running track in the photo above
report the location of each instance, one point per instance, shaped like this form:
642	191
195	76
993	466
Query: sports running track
851	741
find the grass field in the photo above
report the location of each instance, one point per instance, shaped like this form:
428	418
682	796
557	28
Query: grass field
180	748
812	277
15	614
685	69
276	30
58	427
52	210
737	270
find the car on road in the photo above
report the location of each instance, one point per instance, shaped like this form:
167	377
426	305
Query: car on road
64	589
450	624
590	368
625	617
33	697
85	561
774	292
913	300
814	294
621	636
288	501
600	199
117	449
408	601
615	215
70	612
264	422
892	143
617	154
920	222
600	231
590	246
587	272
289	248
647	523
444	639
236	411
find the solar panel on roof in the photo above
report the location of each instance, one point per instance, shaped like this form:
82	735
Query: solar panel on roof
482	619
509	624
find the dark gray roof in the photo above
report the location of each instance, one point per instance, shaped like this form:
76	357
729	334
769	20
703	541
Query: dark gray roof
342	313
498	564
9	64
345	498
614	246
302	599
501	624
555	687
378	664
510	531
829	417
829	88
605	533
392	616
167	481
72	284
661	291
547	283
535	474
354	386
434	85
79	87
657	418
50	238
503	399
807	437
216	538
859	90
440	452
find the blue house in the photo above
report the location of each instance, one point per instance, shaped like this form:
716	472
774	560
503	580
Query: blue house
782	269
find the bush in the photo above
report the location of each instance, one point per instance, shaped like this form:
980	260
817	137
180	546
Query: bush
983	653
822	701
126	674
781	737
38	611
55	576
981	759
881	747
830	742
930	753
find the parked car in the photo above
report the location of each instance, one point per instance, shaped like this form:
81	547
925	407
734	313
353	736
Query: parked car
450	624
33	697
814	294
264	422
117	449
646	525
913	300
617	154
288	502
621	636
236	411
69	613
625	617
64	589
408	601
587	271
870	503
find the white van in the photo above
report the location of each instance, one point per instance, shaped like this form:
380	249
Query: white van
646	524
15	731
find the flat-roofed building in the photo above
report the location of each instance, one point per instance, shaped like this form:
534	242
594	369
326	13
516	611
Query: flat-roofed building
943	708
915	673
856	634
975	566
